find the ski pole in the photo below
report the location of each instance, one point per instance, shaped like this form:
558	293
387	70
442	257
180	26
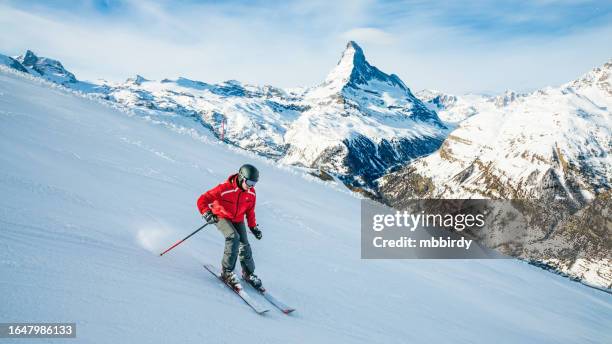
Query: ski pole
180	241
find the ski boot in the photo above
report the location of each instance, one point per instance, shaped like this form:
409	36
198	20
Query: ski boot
229	277
253	280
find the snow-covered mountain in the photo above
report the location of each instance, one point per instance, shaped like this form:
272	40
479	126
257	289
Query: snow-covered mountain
51	70
520	138
453	109
357	124
552	144
91	195
256	118
360	122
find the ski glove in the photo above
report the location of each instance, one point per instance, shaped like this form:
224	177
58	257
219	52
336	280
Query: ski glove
210	218
256	232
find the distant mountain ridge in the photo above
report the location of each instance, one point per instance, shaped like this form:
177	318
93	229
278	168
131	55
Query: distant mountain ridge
356	125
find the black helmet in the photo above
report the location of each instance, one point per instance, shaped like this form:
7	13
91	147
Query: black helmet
249	172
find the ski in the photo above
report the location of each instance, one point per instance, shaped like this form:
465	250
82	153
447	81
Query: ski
239	291
274	301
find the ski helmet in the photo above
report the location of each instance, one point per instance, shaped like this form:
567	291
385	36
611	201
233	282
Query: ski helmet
249	172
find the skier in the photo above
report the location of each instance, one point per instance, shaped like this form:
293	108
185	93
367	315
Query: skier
225	205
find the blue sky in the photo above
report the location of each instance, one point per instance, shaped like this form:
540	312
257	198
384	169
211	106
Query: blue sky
453	46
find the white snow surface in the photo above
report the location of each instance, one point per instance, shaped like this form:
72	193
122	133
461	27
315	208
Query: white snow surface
92	194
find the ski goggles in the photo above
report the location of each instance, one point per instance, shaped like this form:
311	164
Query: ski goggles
250	183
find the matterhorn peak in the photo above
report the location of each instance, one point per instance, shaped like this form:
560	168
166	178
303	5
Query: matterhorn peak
353	54
353	70
352	59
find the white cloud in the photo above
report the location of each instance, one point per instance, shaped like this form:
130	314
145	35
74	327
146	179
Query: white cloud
369	35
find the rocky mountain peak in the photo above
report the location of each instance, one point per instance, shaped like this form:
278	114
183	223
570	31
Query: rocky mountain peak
353	55
353	70
137	80
48	68
600	77
506	98
29	59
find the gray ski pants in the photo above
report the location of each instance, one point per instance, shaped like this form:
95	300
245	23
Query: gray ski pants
236	245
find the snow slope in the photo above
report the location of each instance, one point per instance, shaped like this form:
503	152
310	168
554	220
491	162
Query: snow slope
91	194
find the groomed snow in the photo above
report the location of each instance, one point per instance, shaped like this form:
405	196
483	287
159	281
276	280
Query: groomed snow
90	195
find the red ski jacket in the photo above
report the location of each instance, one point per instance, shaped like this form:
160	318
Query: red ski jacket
227	200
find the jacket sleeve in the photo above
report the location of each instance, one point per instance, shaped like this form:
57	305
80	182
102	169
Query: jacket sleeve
208	197
251	216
